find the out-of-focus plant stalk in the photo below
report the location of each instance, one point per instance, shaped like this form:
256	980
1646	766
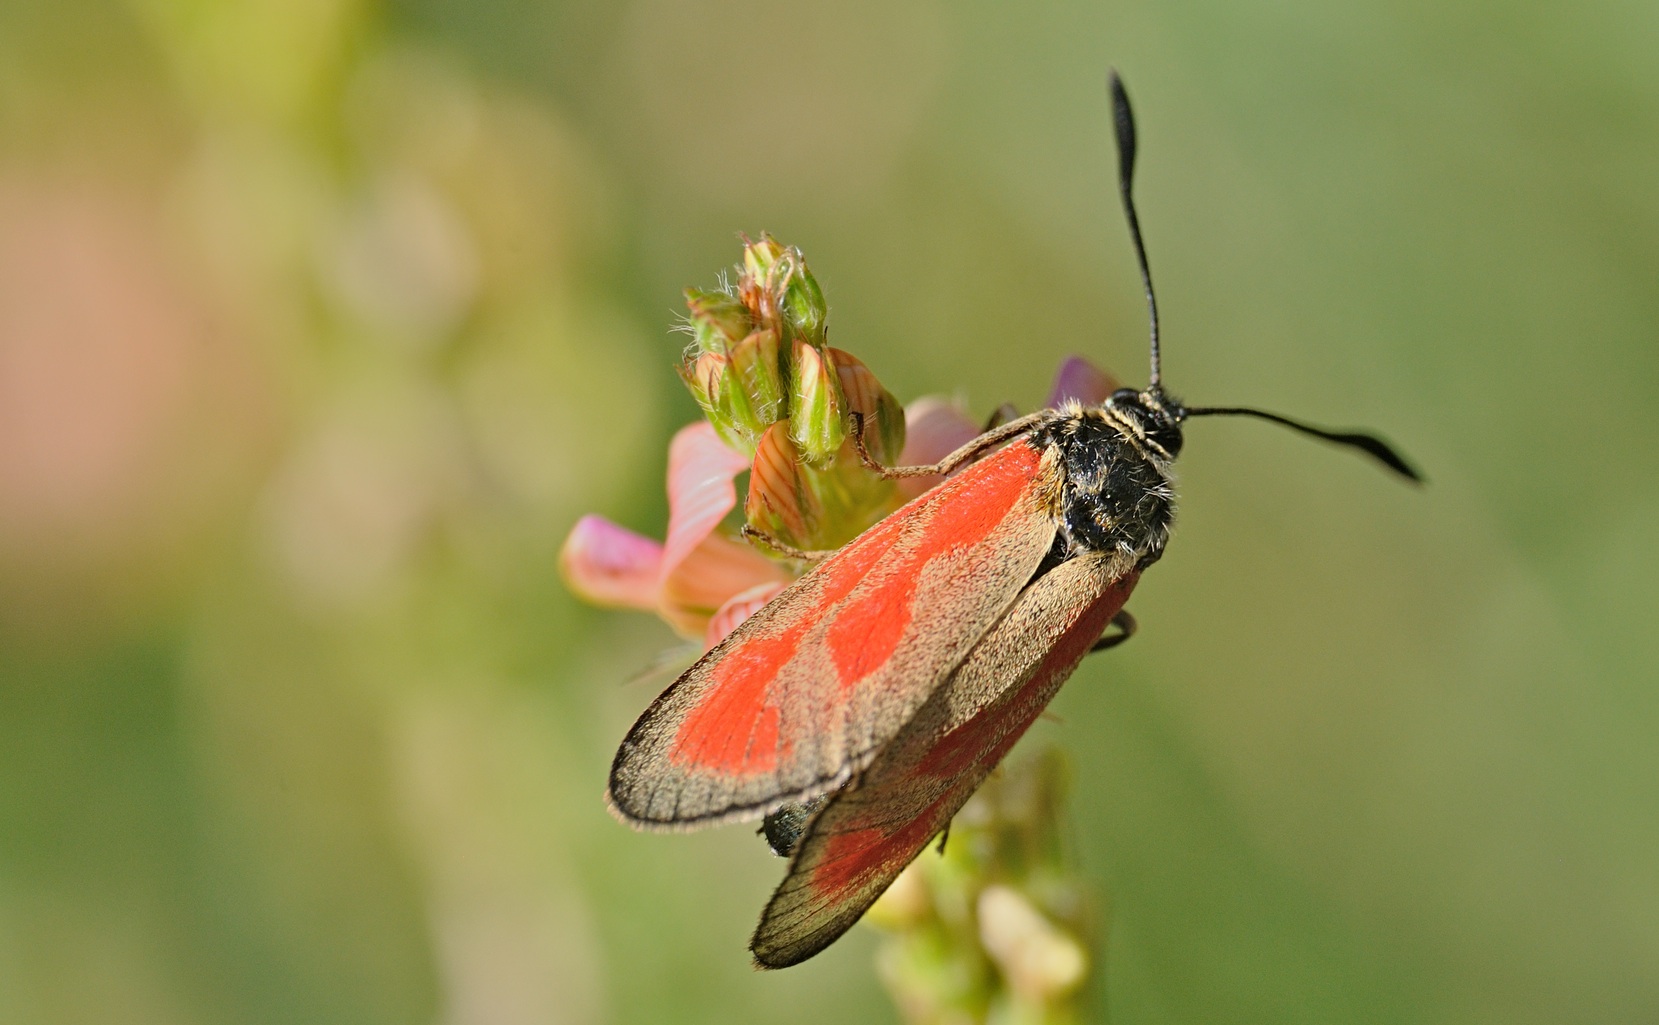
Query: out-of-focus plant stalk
997	929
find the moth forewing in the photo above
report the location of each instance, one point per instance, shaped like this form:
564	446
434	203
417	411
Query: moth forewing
804	692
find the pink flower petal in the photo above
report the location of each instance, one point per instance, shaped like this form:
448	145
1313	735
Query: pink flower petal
1081	380
700	489
708	577
611	565
738	608
934	427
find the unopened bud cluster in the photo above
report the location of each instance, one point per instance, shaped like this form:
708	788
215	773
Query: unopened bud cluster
775	390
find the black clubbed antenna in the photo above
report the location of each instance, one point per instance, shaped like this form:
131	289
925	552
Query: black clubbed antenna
1123	122
1370	444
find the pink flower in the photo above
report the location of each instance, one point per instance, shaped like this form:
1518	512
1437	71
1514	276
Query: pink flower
1081	380
934	427
689	579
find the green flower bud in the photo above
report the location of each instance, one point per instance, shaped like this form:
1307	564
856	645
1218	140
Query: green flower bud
724	402
781	292
817	424
802	305
772	389
718	320
760	257
757	362
996	929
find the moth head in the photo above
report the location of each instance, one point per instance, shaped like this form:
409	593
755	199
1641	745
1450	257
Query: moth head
1158	416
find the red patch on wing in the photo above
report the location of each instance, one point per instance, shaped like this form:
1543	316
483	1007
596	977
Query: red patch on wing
867	632
1000	481
734	730
847	568
852	857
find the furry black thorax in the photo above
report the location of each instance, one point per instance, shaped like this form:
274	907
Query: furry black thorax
1115	492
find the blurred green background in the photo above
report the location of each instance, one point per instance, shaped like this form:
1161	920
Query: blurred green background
321	322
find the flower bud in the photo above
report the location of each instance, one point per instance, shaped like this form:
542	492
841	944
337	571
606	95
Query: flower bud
759	258
1001	930
1039	960
706	375
884	425
782	503
781	293
718	391
802	305
718	320
776	386
817	424
755	282
758	366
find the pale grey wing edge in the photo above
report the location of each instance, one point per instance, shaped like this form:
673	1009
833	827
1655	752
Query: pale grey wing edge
637	792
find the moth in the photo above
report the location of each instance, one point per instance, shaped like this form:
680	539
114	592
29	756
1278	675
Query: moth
858	710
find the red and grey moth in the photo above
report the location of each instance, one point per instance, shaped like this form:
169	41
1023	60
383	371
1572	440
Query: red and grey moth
883	686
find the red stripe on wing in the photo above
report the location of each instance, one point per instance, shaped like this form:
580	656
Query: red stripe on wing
968	520
847	568
735	730
851	858
868	630
863	636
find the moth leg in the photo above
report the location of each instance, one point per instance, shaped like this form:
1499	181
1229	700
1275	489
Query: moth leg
1126	629
967	453
760	537
944	834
